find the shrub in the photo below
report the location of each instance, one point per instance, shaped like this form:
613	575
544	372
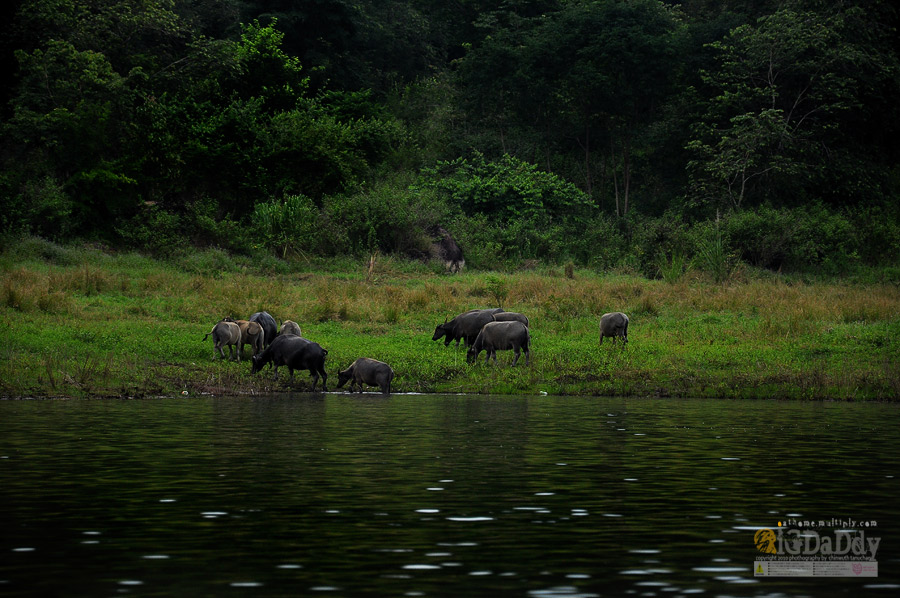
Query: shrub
520	212
762	237
797	238
292	225
655	241
878	229
508	189
154	229
712	251
387	217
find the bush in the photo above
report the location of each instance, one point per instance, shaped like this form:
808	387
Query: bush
387	217
292	225
508	189
155	230
798	238
515	211
712	251
655	241
41	207
878	231
761	237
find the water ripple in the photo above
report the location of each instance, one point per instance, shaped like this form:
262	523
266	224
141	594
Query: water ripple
470	519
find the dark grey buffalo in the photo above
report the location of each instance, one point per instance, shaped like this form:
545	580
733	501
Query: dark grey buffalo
445	249
367	371
500	336
614	324
465	326
511	316
269	326
296	353
225	333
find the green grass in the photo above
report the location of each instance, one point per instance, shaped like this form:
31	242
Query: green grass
80	322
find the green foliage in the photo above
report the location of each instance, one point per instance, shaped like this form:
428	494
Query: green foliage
266	70
154	229
783	85
507	189
673	267
584	80
529	213
756	338
497	289
63	142
712	253
386	217
551	131
799	238
292	225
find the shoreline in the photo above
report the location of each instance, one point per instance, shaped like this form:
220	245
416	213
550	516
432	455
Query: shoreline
129	326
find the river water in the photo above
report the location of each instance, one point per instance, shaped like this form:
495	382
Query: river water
435	495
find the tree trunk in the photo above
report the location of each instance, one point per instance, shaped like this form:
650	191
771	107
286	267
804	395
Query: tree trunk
612	161
626	174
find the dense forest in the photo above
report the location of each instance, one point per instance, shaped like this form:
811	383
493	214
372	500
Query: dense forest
631	134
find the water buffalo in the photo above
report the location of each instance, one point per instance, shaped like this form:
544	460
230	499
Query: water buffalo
465	326
225	333
614	324
511	316
367	371
296	353
252	334
269	326
290	327
500	336
445	249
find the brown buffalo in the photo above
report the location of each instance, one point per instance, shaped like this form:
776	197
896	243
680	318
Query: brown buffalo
225	333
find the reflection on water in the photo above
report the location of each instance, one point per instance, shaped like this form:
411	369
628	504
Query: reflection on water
432	495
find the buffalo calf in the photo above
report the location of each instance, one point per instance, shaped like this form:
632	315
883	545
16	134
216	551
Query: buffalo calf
367	371
225	333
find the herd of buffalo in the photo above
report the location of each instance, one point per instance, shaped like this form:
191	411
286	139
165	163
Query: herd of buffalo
489	330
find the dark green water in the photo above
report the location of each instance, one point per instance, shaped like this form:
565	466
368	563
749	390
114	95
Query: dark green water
336	495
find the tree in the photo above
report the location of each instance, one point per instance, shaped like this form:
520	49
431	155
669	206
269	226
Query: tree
782	86
589	76
68	128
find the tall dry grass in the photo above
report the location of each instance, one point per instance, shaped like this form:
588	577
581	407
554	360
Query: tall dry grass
690	336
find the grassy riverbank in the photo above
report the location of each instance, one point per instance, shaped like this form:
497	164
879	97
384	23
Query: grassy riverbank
82	322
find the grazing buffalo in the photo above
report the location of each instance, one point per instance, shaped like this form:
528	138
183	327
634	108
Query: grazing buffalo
614	324
290	327
445	249
500	336
225	333
511	316
296	353
367	371
269	326
252	334
465	326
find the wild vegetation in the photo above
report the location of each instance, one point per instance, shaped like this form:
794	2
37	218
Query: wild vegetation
80	321
725	173
605	133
